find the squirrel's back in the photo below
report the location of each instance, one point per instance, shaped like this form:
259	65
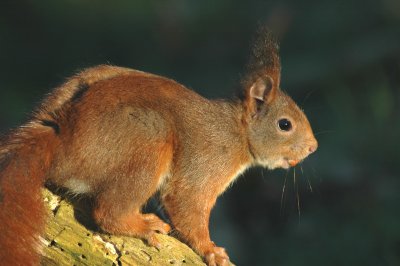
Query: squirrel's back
105	122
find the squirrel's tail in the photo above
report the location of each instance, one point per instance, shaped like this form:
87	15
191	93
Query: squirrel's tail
25	156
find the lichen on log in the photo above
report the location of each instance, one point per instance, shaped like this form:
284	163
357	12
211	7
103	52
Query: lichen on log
68	242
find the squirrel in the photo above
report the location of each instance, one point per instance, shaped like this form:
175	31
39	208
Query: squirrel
121	135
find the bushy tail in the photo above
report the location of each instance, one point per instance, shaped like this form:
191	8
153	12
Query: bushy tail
25	156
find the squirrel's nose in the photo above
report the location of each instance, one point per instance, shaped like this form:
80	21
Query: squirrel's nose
313	147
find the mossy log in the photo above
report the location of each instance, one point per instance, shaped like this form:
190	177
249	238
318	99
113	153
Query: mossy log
69	242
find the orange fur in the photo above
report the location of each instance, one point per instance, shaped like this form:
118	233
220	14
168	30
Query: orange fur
121	135
24	157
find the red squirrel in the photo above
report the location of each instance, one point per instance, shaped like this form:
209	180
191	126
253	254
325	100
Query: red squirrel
121	135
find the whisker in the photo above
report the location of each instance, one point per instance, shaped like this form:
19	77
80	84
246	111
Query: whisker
308	180
294	178
283	193
308	96
315	177
296	188
315	174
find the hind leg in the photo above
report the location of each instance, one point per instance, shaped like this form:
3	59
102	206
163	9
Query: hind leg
118	204
118	216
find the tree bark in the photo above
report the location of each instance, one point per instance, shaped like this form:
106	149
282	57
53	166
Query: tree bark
71	238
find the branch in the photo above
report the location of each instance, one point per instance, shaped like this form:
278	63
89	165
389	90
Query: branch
68	242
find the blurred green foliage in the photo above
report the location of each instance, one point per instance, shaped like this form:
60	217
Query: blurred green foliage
341	62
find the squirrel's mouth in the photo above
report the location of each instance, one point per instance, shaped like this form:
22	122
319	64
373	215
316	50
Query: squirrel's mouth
292	162
282	162
287	163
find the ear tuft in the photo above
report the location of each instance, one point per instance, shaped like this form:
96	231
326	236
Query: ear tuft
262	89
264	58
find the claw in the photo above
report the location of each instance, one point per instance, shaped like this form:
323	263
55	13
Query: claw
152	241
164	229
210	259
217	257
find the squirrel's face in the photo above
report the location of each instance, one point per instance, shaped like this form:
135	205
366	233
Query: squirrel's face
280	135
279	132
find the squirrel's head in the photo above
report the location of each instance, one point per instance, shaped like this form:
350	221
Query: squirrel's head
279	133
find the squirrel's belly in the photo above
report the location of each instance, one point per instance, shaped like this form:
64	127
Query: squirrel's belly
77	186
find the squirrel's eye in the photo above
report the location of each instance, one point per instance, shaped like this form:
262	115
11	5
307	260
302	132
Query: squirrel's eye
284	124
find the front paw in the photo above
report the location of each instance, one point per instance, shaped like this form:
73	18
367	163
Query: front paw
217	257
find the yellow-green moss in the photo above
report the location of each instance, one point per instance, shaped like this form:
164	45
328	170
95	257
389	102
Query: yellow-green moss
68	242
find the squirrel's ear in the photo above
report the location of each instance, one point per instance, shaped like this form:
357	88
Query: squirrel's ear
263	90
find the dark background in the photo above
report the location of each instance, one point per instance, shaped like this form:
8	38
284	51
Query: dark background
341	63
